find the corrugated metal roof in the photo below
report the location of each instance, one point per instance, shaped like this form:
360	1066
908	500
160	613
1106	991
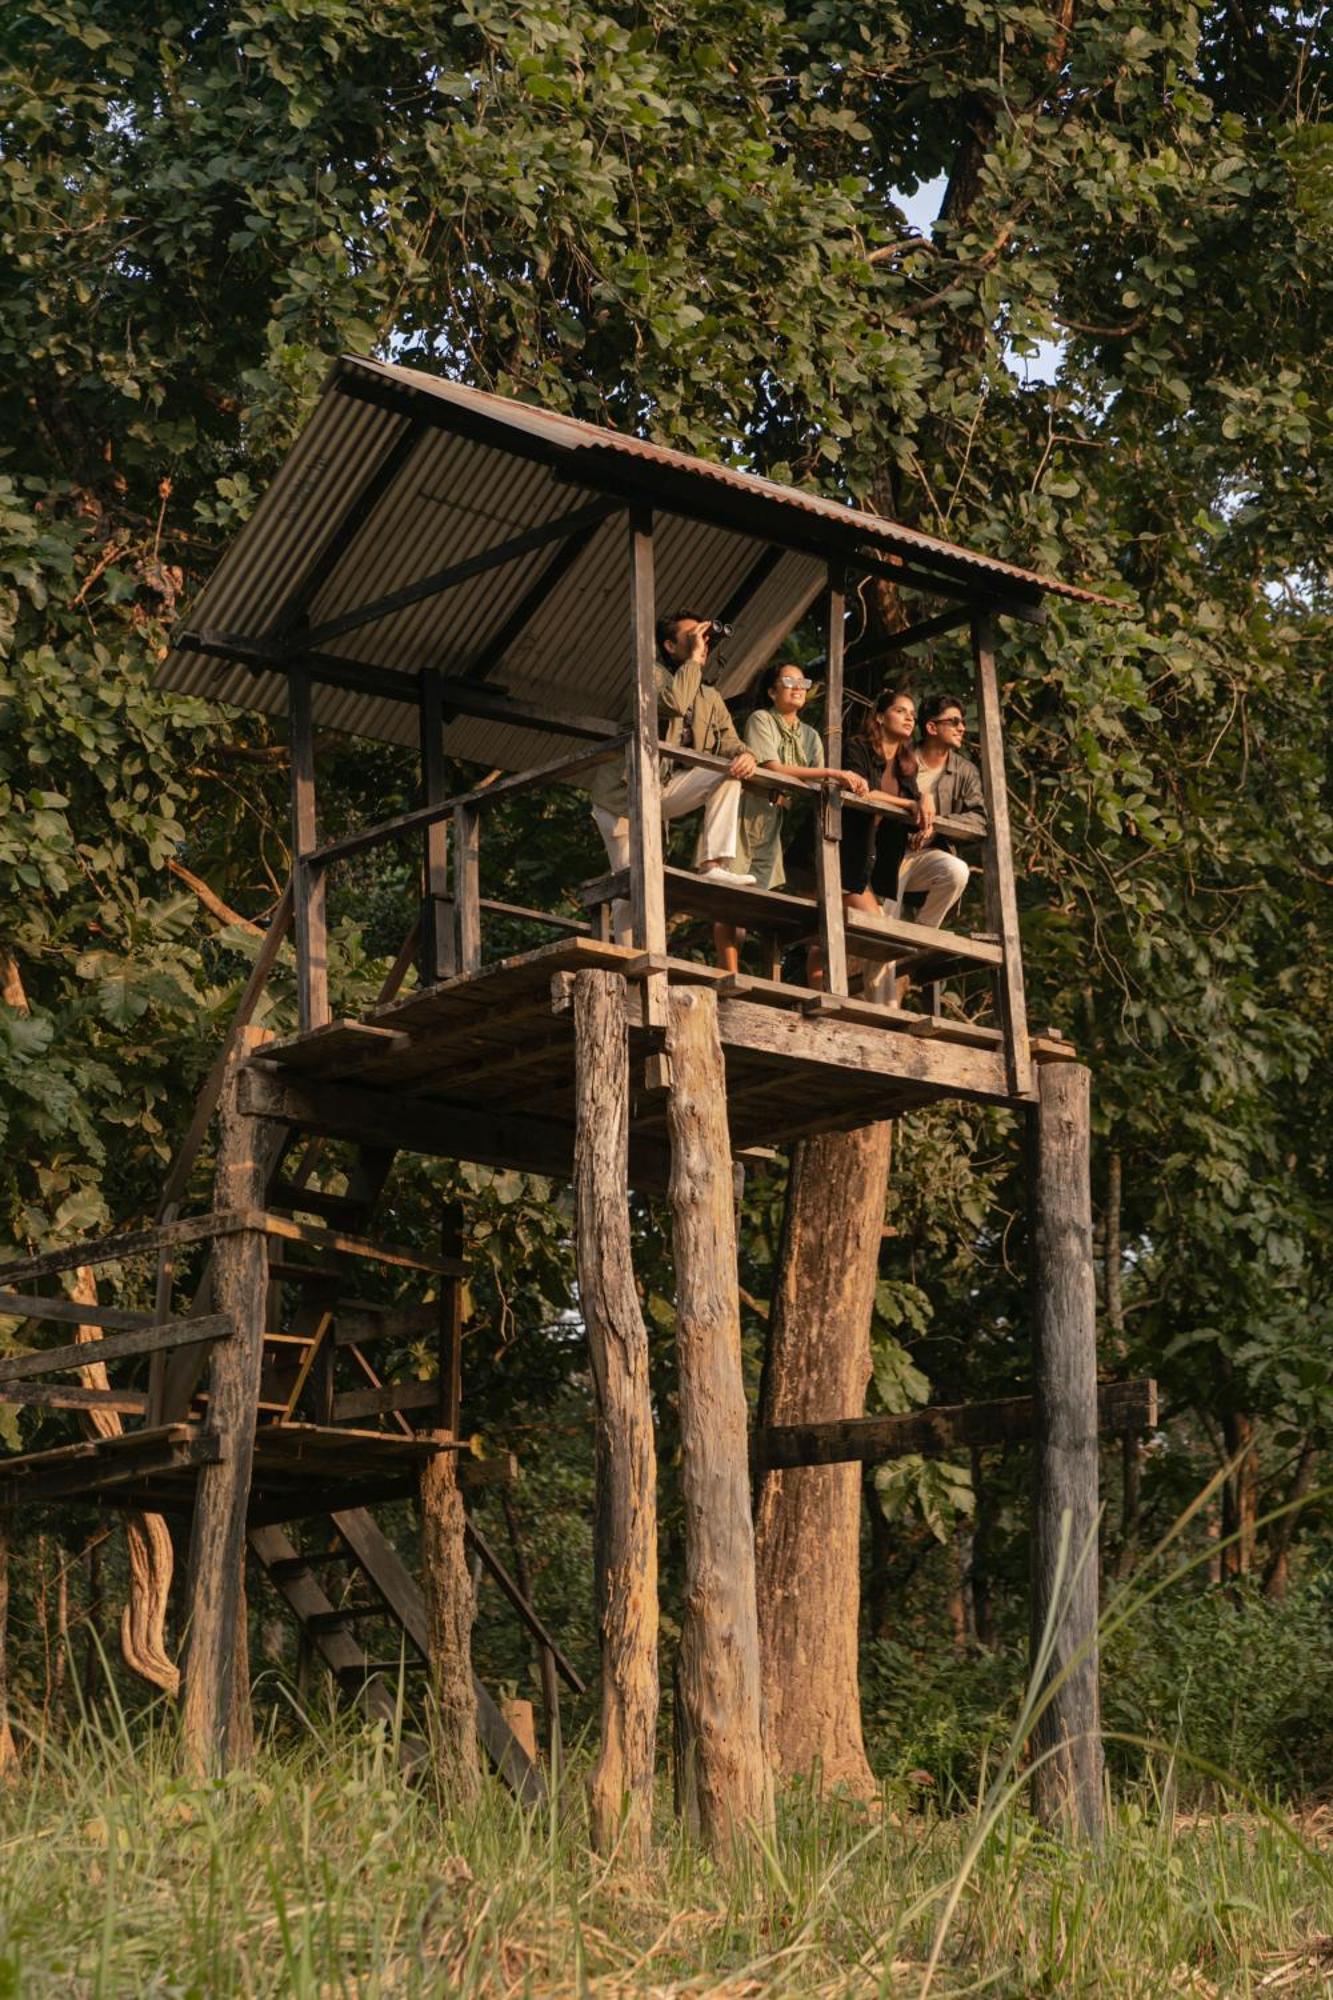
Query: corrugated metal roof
470	472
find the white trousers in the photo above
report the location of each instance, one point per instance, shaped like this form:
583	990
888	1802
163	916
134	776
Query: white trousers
684	792
941	878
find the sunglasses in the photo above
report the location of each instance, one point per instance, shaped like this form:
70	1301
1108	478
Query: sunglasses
804	686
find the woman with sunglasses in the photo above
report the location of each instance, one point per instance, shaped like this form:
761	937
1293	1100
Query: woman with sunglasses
785	747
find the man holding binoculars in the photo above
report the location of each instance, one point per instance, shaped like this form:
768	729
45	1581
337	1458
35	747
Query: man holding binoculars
693	716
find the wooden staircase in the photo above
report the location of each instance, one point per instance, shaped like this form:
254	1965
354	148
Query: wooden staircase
397	1604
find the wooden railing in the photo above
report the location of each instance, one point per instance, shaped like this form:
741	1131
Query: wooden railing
455	917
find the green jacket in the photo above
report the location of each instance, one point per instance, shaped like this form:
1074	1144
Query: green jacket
684	703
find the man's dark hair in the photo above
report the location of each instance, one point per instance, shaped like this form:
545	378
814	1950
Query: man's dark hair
667	628
933	707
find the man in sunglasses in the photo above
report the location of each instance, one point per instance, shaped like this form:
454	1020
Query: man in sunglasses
950	787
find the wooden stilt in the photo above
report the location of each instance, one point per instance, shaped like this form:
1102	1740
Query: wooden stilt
719	1679
240	1716
626	1531
447	1587
808	1522
1067	1782
217	1542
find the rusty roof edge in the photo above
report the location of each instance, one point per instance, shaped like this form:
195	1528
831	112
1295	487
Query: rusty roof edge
572	438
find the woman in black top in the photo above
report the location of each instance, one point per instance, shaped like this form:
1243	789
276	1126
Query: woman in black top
872	848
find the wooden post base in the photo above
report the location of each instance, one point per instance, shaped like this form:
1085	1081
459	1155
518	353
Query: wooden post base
725	1773
1066	1741
626	1529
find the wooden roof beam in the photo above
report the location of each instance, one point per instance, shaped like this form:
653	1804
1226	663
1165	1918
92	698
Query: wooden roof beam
532	600
464	697
445	579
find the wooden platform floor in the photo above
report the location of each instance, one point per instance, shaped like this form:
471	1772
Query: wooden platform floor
481	1067
299	1469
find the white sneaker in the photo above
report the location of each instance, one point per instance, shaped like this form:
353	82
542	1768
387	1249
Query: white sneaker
718	871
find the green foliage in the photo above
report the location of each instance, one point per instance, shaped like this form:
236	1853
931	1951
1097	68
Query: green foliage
1234	1679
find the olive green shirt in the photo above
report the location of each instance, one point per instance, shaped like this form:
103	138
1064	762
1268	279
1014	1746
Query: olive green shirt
773	741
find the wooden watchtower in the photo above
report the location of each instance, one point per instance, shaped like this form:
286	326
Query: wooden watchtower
477	578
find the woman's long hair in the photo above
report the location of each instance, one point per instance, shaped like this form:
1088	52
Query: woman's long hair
904	757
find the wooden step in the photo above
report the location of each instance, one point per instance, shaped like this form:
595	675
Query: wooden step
342	1616
389	1574
283	1568
405	1662
344	1209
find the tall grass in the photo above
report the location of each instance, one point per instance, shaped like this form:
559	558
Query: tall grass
322	1872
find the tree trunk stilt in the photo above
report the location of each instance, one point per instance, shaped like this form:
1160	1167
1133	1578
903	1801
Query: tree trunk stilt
447	1588
807	1522
241	1715
148	1542
217	1541
626	1529
1066	1741
719	1675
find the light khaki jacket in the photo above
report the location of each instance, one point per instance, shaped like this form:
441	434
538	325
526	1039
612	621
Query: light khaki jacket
684	702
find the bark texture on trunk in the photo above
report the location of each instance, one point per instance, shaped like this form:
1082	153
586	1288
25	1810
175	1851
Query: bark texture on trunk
143	1620
807	1522
719	1673
625	1551
446	1583
217	1537
1067	1776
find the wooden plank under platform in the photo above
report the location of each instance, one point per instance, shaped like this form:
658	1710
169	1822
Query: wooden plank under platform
299	1469
480	1066
103	1469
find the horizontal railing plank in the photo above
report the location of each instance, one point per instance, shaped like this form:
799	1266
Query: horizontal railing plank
30	1305
117	1346
63	1396
561	772
931	1433
767	781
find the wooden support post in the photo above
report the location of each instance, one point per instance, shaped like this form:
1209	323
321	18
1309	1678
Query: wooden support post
450	1328
308	897
217	1542
828	844
1001	897
438	946
647	894
467	885
446	1584
1067	1778
726	1780
625	1542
